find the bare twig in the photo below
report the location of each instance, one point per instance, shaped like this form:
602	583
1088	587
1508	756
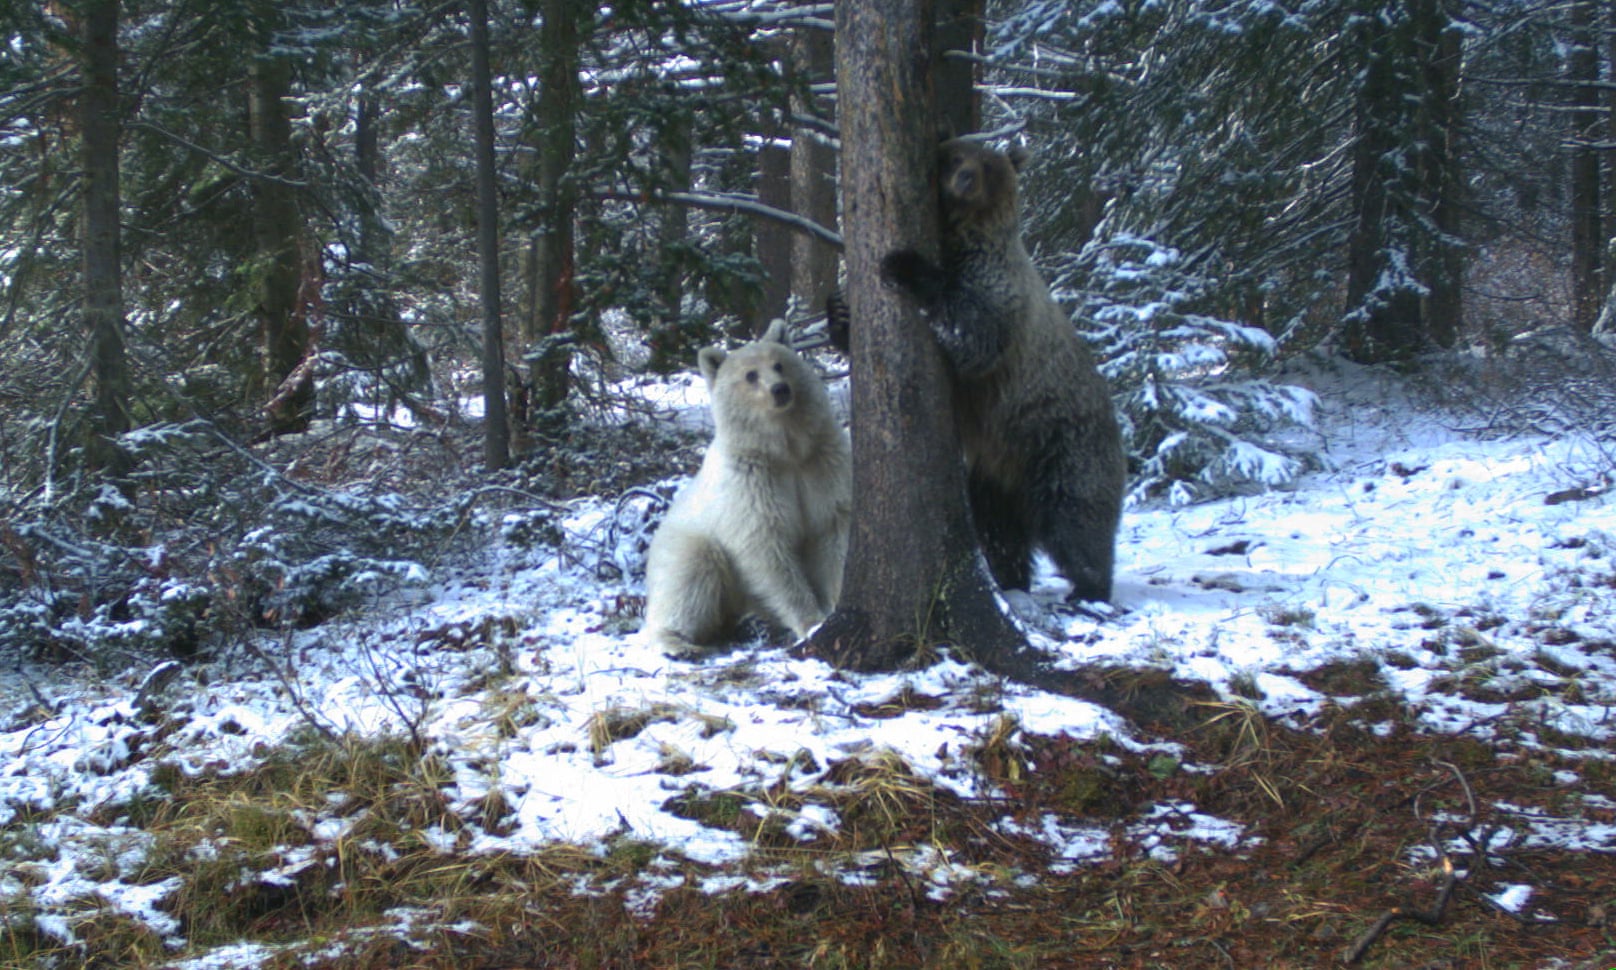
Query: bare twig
1430	917
222	160
392	695
294	692
1436	836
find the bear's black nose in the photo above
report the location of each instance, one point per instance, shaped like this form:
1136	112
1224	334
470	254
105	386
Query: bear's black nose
782	394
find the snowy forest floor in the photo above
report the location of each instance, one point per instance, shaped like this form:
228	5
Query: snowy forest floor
1367	720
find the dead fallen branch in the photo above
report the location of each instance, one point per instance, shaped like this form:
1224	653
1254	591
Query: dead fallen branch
1430	917
1437	837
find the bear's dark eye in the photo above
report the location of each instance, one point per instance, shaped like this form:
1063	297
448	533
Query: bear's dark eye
778	369
751	377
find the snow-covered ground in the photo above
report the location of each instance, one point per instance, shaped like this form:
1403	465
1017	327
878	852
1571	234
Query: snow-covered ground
1431	556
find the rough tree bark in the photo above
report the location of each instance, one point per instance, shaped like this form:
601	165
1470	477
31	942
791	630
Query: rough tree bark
1444	175
1404	262
1586	121
813	168
552	287
103	285
1606	320
496	429
914	576
374	330
673	232
283	328
959	29
772	241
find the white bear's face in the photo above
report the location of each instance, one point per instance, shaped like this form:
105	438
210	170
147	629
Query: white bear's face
764	396
758	378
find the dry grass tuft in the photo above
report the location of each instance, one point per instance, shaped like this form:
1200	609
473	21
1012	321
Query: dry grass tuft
350	853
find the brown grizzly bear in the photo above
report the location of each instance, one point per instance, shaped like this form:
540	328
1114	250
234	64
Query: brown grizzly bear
1044	456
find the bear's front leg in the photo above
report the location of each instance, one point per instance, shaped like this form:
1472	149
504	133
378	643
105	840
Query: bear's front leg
825	559
786	595
692	594
914	274
971	323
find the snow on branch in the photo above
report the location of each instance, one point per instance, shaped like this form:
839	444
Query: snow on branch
821	16
727	202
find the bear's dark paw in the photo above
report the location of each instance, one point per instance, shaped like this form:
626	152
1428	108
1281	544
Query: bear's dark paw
839	321
907	269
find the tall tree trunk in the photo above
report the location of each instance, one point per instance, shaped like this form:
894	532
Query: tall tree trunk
959	29
1442	177
669	277
552	287
813	168
496	429
1587	223
1404	260
914	575
374	329
1605	321
678	157
103	286
288	390
373	235
771	239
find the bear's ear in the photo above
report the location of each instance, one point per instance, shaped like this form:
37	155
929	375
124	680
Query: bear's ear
710	359
1018	157
776	334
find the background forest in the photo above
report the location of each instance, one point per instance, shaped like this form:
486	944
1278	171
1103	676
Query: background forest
345	357
243	244
221	223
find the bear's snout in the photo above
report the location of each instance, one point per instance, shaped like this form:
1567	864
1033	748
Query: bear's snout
781	393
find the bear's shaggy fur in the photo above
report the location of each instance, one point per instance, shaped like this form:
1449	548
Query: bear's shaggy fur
1042	447
762	529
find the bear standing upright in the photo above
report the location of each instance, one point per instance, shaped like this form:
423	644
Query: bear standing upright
762	529
1042	449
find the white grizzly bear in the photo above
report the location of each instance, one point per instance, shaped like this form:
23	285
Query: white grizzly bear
762	529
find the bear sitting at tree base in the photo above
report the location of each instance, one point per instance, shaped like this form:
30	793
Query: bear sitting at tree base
762	529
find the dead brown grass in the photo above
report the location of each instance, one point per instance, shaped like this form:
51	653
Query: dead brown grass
1339	821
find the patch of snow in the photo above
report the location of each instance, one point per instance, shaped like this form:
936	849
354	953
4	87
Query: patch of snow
1426	556
1512	898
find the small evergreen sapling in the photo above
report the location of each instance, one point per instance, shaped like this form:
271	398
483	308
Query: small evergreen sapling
1198	418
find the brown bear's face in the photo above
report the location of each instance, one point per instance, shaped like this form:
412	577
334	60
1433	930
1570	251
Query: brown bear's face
978	186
